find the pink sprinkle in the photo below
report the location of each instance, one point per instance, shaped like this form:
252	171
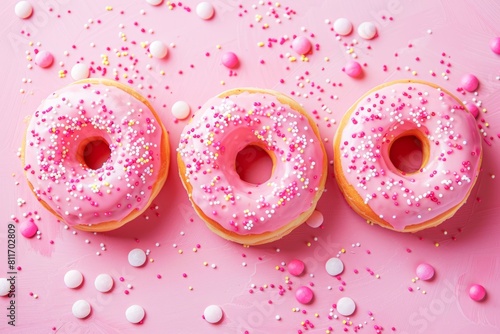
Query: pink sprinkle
230	60
296	267
477	292
44	59
28	228
304	295
495	45
473	109
301	45
425	271
469	82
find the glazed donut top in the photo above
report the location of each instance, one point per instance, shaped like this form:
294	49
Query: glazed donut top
56	135
225	126
449	133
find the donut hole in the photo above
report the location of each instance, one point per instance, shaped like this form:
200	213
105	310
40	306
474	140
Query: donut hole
407	153
254	164
95	152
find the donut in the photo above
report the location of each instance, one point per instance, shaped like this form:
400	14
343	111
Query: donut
95	154
407	155
241	211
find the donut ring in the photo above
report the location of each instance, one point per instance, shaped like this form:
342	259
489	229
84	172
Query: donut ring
405	200
236	210
68	125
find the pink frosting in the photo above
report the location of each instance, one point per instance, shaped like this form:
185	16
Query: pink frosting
441	184
61	124
222	128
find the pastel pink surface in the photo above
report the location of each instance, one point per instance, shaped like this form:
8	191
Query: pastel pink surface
464	249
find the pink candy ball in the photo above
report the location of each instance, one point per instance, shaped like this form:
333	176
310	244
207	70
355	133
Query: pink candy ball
477	292
353	69
28	228
495	45
301	45
469	82
473	109
296	267
44	59
230	60
304	295
425	271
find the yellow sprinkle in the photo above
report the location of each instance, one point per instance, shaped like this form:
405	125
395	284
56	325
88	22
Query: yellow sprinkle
109	8
316	315
292	59
265	286
218	46
344	322
180	251
205	263
343	250
277	267
277	4
222	82
327	331
308	244
151	260
162	72
266	25
327	59
31	43
423	292
194	249
413	280
414	73
436	244
302	323
261	44
258	17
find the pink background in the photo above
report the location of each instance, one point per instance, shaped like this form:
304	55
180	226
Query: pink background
468	250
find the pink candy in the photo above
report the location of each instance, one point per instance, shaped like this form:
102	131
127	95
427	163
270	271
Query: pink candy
495	45
304	295
477	292
230	60
353	69
296	267
28	228
425	271
301	45
473	109
469	82
44	59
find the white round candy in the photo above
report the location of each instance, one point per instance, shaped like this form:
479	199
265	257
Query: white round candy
81	309
103	283
23	9
135	314
342	26
213	314
334	266
73	279
346	306
367	30
80	71
158	49
181	110
315	220
154	2
136	257
205	10
4	286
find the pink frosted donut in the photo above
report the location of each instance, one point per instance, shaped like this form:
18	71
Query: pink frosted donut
233	208
406	155
95	154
